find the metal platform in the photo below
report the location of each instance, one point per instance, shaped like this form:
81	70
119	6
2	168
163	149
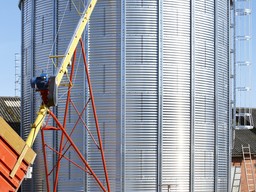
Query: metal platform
244	121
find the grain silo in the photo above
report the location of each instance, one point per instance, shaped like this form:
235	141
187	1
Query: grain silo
160	74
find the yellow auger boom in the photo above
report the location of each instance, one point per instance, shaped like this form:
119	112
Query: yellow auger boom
51	84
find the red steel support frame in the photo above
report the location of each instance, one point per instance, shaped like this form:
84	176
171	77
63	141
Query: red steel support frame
68	136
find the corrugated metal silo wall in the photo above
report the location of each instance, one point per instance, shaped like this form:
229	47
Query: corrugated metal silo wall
176	99
123	58
141	95
27	73
41	20
223	128
174	91
71	178
38	33
104	56
203	45
43	32
160	78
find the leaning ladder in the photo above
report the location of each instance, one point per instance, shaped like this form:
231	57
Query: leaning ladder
249	169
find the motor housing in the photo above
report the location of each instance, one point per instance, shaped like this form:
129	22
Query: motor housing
47	87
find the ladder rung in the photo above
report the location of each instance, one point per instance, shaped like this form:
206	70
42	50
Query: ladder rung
56	56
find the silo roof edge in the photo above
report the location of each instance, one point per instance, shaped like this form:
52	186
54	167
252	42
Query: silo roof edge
20	3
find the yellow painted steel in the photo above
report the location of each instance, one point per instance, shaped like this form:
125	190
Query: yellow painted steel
31	137
56	56
74	41
19	161
63	68
35	128
59	75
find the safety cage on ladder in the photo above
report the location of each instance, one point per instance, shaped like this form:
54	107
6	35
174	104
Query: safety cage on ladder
244	119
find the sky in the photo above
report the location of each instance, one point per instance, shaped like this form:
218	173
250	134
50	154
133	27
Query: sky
246	76
10	43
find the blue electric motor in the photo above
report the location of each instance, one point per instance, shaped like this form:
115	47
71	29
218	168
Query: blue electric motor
47	86
40	83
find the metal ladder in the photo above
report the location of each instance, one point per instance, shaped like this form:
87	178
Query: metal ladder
236	184
249	169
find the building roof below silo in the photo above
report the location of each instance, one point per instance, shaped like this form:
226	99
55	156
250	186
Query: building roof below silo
245	137
10	111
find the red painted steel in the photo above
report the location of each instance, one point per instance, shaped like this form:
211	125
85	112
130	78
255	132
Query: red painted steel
45	161
64	121
66	138
95	114
8	158
13	150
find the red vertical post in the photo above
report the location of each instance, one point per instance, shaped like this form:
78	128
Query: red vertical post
64	122
78	152
95	116
45	162
67	136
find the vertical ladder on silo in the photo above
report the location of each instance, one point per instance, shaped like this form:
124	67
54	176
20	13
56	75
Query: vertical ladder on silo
249	169
236	183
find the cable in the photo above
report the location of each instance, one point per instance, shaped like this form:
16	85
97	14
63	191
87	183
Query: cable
55	38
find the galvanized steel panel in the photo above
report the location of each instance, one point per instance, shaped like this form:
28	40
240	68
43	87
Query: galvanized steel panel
141	110
43	35
26	66
104	57
128	67
67	13
223	123
176	96
26	74
204	96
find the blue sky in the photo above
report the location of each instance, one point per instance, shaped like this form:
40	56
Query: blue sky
254	52
248	99
10	43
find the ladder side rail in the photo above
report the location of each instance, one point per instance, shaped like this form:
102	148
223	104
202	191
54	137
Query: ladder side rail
246	167
252	167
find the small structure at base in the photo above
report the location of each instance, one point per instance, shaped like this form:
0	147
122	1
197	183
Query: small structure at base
243	172
11	147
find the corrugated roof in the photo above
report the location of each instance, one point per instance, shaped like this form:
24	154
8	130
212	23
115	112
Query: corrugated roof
245	137
10	111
